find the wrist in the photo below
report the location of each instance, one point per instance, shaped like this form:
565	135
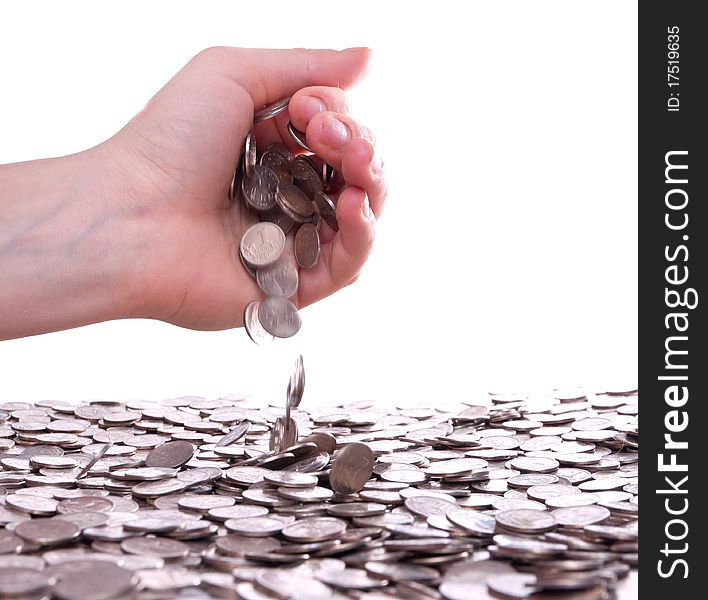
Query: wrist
62	264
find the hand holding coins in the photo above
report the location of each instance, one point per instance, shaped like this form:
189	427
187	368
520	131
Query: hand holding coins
288	194
155	198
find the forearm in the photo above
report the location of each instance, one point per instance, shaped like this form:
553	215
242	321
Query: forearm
61	262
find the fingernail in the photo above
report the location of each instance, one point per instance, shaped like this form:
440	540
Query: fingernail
365	208
311	106
334	133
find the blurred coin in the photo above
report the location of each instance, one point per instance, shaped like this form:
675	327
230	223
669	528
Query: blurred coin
252	324
526	521
314	529
294	480
254	526
279	278
92	580
351	468
259	190
17	582
472	521
580	516
155	546
236	433
279	316
357	579
47	532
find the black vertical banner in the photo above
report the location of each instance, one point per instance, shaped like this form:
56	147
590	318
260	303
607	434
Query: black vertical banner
672	263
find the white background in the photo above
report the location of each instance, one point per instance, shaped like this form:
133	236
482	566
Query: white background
507	256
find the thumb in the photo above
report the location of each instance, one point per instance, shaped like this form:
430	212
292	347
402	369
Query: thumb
271	75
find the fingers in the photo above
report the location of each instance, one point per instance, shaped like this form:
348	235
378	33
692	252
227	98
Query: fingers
310	101
362	167
352	245
349	148
342	259
322	112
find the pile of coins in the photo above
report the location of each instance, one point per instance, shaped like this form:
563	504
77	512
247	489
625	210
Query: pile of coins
193	498
287	193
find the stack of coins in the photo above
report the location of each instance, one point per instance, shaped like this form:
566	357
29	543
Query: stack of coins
287	193
507	497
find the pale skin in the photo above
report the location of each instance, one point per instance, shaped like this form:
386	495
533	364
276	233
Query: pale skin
141	226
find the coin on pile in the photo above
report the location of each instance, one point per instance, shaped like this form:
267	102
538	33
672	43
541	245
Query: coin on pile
351	468
185	498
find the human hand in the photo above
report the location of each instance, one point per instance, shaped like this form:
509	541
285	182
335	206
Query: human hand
176	159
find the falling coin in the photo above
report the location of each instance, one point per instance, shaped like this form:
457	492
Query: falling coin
351	468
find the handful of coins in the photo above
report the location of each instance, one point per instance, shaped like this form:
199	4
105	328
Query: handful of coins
287	193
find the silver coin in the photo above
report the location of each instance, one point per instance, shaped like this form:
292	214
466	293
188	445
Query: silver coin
204	504
252	324
279	278
277	157
18	582
581	516
255	526
235	434
249	154
517	585
526	520
262	244
287	584
315	529
310	494
47	532
272	110
352	468
154	489
157	546
327	209
426	506
298	137
259	190
246	475
83	504
236	545
279	317
92	580
32	505
170	454
545	491
456	466
224	513
289	479
568	500
534	465
472	521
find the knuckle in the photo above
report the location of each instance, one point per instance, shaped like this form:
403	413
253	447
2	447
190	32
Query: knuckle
210	54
